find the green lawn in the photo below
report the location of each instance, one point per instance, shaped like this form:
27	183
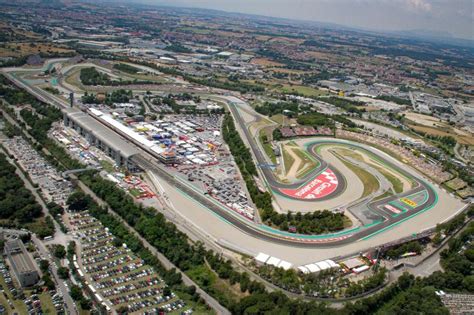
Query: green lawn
308	163
4	303
19	305
47	304
300	89
371	183
278	118
210	282
347	222
384	195
396	183
135	192
107	166
288	160
267	147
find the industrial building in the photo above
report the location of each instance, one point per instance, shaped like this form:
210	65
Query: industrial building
21	263
101	137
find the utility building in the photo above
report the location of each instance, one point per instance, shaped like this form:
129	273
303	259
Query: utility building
21	263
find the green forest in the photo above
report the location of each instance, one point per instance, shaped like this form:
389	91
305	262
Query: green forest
18	207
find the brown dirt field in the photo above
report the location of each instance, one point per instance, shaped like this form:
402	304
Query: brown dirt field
422	119
287	40
23	49
265	62
370	108
262	37
283	70
469	140
230	34
318	55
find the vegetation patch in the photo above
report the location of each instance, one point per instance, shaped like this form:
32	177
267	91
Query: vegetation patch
371	184
300	90
267	146
307	165
126	68
288	160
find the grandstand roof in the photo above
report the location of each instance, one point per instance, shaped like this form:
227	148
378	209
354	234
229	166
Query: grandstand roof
104	134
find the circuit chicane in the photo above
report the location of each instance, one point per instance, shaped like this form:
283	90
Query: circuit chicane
407	203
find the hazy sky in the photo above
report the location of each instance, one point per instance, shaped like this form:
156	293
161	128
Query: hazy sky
455	17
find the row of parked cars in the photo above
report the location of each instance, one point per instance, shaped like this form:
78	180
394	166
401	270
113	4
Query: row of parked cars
119	278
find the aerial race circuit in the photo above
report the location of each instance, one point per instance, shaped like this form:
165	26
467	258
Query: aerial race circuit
327	185
326	182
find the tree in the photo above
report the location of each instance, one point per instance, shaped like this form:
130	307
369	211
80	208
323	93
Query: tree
71	248
48	282
76	293
59	251
63	272
44	265
78	201
167	291
86	304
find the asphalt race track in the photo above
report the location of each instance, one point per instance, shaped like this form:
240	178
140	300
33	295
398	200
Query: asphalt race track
147	161
343	237
296	240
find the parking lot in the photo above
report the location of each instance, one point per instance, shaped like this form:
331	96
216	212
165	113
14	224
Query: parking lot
53	186
222	183
115	274
193	149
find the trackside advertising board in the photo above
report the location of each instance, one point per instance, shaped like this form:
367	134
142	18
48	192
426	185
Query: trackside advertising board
319	187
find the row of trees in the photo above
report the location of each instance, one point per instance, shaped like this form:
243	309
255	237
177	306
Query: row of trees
45	113
310	223
90	76
239	86
315	119
348	105
410	247
117	96
327	283
126	68
270	109
16	202
394	99
303	114
178	48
